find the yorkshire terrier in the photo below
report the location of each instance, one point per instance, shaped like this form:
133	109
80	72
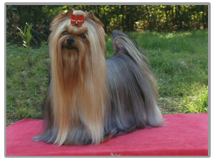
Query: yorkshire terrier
90	99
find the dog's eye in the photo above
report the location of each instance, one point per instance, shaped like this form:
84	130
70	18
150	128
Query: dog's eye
65	33
83	36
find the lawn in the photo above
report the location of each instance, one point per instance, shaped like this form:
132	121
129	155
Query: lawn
179	61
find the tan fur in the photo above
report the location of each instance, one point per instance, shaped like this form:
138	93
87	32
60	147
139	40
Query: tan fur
78	78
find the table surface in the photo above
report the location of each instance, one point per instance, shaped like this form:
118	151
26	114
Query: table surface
182	135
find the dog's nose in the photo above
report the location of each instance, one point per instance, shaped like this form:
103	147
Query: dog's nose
70	41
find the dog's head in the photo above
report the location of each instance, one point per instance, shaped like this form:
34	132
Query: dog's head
77	32
76	46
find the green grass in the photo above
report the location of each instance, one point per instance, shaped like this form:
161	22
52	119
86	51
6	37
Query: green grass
26	87
179	61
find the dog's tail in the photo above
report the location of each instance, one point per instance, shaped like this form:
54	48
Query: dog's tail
132	86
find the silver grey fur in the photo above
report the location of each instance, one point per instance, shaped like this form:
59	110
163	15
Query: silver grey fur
132	89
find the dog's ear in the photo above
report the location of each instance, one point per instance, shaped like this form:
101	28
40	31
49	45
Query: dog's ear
69	12
90	15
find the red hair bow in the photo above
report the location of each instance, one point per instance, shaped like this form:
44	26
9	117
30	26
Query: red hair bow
77	20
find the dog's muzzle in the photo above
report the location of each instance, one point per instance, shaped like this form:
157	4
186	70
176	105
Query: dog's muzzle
70	42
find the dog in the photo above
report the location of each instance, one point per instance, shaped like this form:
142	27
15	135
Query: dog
91	99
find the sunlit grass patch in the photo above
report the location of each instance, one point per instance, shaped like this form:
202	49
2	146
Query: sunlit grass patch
198	101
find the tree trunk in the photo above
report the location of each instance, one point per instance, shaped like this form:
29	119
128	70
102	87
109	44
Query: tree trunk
147	11
173	23
180	17
206	16
123	24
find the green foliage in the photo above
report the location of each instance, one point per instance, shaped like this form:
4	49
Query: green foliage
19	15
124	17
26	13
26	37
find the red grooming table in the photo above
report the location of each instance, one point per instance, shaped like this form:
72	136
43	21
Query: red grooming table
182	135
